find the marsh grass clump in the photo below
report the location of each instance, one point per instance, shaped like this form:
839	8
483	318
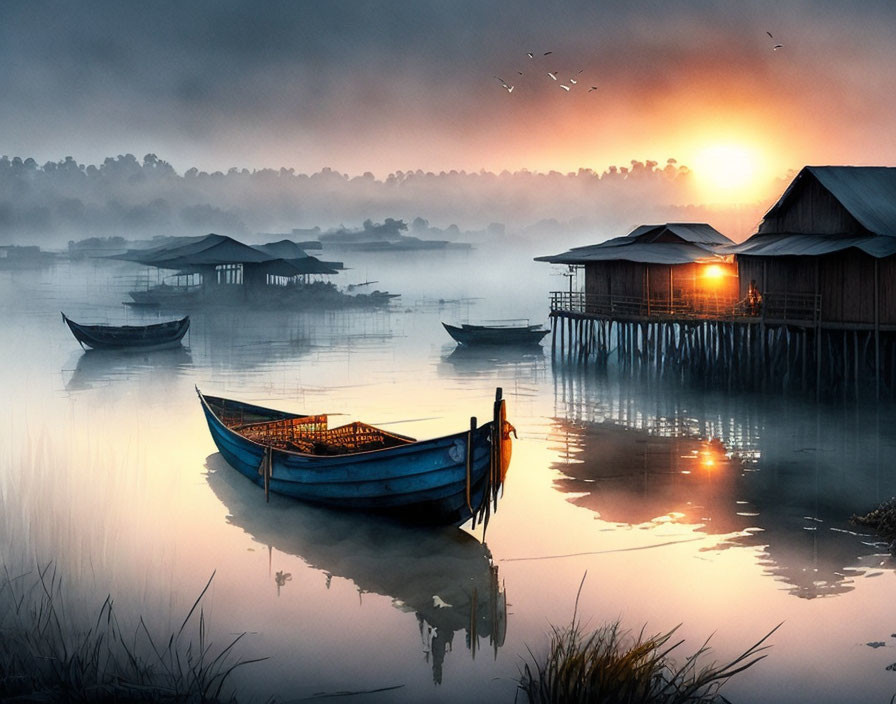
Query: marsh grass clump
612	666
48	653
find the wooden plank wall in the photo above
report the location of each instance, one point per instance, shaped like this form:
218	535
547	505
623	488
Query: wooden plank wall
886	274
845	282
812	209
627	279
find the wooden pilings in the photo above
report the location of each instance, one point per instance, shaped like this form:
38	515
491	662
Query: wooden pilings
739	354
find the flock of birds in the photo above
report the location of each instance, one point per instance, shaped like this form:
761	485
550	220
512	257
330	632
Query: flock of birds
569	83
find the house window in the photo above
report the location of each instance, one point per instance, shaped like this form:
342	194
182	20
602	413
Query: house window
230	273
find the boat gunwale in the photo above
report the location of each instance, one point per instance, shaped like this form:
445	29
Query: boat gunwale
517	336
174	325
399	449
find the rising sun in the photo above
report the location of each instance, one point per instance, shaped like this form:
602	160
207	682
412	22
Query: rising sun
727	173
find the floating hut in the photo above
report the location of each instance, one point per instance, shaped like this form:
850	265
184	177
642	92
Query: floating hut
216	268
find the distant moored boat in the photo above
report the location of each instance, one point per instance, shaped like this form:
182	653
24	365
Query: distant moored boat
130	337
496	334
446	480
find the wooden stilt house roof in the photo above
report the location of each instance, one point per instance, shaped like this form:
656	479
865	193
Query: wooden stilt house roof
671	243
828	209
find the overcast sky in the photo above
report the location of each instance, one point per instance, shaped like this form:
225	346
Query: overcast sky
380	86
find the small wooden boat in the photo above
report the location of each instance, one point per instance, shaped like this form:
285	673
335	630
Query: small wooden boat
446	480
496	334
130	337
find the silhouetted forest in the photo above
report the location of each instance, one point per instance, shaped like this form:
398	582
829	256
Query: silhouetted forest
51	203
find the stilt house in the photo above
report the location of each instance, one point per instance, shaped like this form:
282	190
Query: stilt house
829	243
676	267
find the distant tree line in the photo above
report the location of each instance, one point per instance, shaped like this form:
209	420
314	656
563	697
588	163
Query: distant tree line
125	197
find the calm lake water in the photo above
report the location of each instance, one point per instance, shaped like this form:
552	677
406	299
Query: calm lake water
725	514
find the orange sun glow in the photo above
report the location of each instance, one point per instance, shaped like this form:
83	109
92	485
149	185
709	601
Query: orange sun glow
727	172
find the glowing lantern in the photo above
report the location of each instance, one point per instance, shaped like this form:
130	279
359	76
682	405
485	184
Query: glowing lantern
714	272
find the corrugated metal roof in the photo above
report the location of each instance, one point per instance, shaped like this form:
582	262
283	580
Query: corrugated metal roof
699	243
868	193
800	245
646	253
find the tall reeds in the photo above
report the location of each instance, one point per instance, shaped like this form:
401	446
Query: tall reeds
48	653
611	665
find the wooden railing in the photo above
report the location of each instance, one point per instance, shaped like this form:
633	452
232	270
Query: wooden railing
773	306
797	307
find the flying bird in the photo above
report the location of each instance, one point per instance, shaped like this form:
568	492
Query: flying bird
530	54
592	88
553	75
776	46
566	88
508	88
547	53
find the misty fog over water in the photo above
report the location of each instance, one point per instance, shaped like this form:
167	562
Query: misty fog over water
51	203
725	513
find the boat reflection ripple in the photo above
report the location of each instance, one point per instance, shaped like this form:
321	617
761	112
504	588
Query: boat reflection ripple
445	576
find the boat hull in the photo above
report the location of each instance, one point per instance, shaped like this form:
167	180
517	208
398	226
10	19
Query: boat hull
473	335
137	338
424	481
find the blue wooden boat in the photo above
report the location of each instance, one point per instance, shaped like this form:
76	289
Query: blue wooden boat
130	337
447	480
473	335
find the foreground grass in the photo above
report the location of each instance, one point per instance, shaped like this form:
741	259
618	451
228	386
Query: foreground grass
612	666
50	654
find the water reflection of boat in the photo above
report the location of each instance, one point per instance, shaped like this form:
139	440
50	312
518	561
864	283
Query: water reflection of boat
446	480
103	366
518	363
504	335
138	338
443	575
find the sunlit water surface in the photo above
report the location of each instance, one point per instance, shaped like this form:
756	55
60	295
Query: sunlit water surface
726	514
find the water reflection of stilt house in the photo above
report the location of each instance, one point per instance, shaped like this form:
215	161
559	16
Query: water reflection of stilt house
757	472
808	302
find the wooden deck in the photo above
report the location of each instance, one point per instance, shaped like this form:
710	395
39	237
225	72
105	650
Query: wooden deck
782	344
804	310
